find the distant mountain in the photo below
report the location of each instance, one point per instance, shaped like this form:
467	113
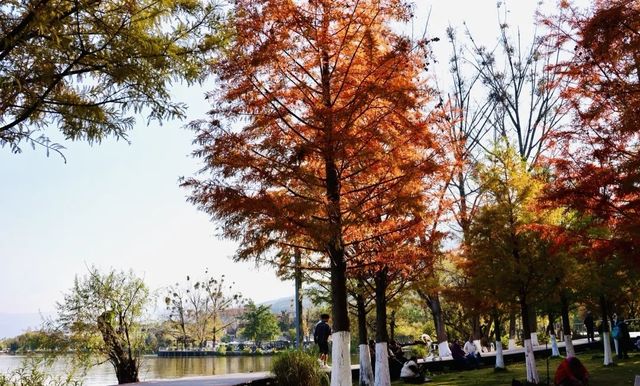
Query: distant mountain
285	304
15	324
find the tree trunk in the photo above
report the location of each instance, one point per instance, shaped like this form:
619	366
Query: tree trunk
298	300
555	352
127	371
532	372
476	331
341	337
566	324
392	326
125	365
382	374
512	330
215	321
533	325
606	340
366	371
433	302
498	334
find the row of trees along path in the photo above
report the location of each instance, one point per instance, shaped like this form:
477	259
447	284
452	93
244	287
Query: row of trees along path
326	141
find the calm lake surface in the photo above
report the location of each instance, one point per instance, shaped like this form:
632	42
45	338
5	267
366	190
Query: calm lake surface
157	368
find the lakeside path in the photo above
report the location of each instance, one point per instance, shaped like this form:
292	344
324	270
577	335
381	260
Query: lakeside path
212	380
248	378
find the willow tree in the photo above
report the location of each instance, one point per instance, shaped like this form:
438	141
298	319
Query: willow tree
319	113
101	318
86	67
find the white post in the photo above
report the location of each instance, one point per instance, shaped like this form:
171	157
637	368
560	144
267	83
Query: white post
532	372
554	346
512	344
568	345
443	349
366	371
617	346
499	356
382	377
534	339
341	359
608	359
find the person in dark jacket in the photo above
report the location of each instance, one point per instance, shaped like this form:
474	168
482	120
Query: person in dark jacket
458	355
624	339
589	324
321	334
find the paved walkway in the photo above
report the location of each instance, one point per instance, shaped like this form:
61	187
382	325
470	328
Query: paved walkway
246	378
214	380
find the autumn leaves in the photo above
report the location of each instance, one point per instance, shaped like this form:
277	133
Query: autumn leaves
325	140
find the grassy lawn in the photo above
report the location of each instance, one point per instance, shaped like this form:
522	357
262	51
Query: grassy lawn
622	374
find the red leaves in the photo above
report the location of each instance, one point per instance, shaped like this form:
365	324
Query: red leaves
598	170
319	140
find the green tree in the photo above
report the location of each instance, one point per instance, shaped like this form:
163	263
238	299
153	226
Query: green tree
508	259
259	323
101	316
86	66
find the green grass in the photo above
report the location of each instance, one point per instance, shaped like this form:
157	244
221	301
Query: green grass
623	373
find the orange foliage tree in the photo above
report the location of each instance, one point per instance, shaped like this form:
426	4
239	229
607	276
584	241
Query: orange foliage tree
598	161
318	118
599	165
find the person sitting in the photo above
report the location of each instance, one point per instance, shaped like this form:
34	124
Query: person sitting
396	359
411	372
395	350
457	354
571	372
471	353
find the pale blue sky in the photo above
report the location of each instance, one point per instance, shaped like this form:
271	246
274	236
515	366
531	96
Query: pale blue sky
119	205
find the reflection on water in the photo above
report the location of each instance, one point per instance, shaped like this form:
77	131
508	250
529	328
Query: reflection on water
157	368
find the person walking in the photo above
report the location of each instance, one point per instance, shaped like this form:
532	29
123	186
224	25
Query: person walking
589	324
321	334
615	333
624	338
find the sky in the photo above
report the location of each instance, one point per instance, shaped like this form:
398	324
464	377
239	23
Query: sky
118	204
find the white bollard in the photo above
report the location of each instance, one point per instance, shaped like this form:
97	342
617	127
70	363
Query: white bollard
534	339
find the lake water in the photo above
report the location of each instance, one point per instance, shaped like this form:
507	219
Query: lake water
157	368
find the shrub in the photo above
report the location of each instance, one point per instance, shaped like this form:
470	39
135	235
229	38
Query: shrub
33	372
418	351
298	368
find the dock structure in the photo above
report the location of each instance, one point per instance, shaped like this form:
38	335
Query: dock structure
265	378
